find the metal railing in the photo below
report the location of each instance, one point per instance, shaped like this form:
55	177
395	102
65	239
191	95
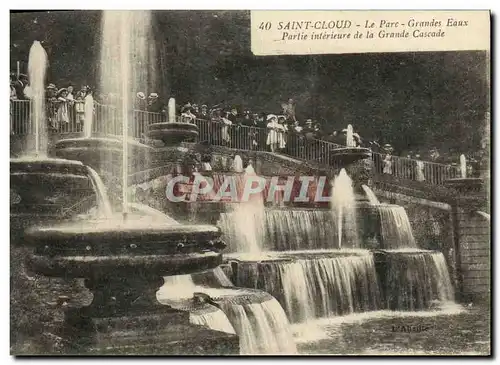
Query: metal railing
233	136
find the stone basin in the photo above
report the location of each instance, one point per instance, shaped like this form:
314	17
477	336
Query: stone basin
104	154
173	133
348	155
103	247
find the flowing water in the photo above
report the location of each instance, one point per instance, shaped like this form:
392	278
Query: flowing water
105	207
415	280
246	221
396	231
237	164
261	325
263	328
463	167
316	287
343	204
286	229
37	67
125	63
372	198
89	116
214	319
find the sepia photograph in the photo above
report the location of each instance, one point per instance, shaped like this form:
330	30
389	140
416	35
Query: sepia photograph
243	183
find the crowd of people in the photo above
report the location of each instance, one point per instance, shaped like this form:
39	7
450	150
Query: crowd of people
278	131
63	105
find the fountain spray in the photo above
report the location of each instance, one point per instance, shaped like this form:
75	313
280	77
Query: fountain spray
125	105
171	110
343	202
349	137
463	166
37	66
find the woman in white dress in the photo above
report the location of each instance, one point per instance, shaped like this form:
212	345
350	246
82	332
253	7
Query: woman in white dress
420	169
62	108
226	124
282	131
272	132
387	165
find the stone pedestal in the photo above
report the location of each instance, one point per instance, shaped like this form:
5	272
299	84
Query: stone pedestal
159	331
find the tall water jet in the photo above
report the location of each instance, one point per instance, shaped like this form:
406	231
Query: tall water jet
124	69
37	67
463	166
343	205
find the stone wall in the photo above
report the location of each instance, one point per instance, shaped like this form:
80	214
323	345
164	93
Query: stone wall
475	248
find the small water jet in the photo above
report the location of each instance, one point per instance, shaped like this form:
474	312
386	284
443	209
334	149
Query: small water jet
37	67
343	204
463	166
246	219
173	132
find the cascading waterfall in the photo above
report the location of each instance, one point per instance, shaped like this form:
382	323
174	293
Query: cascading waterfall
396	231
289	229
343	204
37	67
316	287
105	205
263	328
214	319
221	277
372	198
415	280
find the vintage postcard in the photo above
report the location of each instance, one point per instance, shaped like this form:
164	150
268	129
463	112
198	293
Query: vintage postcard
250	183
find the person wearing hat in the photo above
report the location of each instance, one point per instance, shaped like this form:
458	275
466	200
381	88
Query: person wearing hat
20	85
62	117
70	95
154	106
272	132
282	131
187	116
226	124
195	110
140	101
204	112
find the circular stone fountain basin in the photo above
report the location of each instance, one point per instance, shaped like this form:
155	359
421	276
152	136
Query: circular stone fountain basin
107	247
90	150
46	165
173	132
348	155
